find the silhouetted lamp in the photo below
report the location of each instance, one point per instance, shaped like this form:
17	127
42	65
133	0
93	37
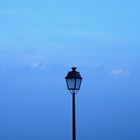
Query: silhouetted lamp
73	80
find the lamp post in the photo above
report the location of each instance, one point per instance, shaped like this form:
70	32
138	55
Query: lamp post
73	80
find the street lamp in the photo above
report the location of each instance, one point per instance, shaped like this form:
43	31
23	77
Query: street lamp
73	80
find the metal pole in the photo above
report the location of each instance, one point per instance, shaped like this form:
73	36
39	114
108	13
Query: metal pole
73	118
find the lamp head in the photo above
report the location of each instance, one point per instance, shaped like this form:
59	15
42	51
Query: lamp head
73	80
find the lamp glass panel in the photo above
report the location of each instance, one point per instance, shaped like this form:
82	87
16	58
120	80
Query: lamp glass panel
78	83
71	84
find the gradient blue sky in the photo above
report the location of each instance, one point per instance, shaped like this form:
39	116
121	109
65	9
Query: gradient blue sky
85	32
41	40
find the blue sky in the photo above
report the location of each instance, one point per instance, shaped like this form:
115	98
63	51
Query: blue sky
41	40
83	31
